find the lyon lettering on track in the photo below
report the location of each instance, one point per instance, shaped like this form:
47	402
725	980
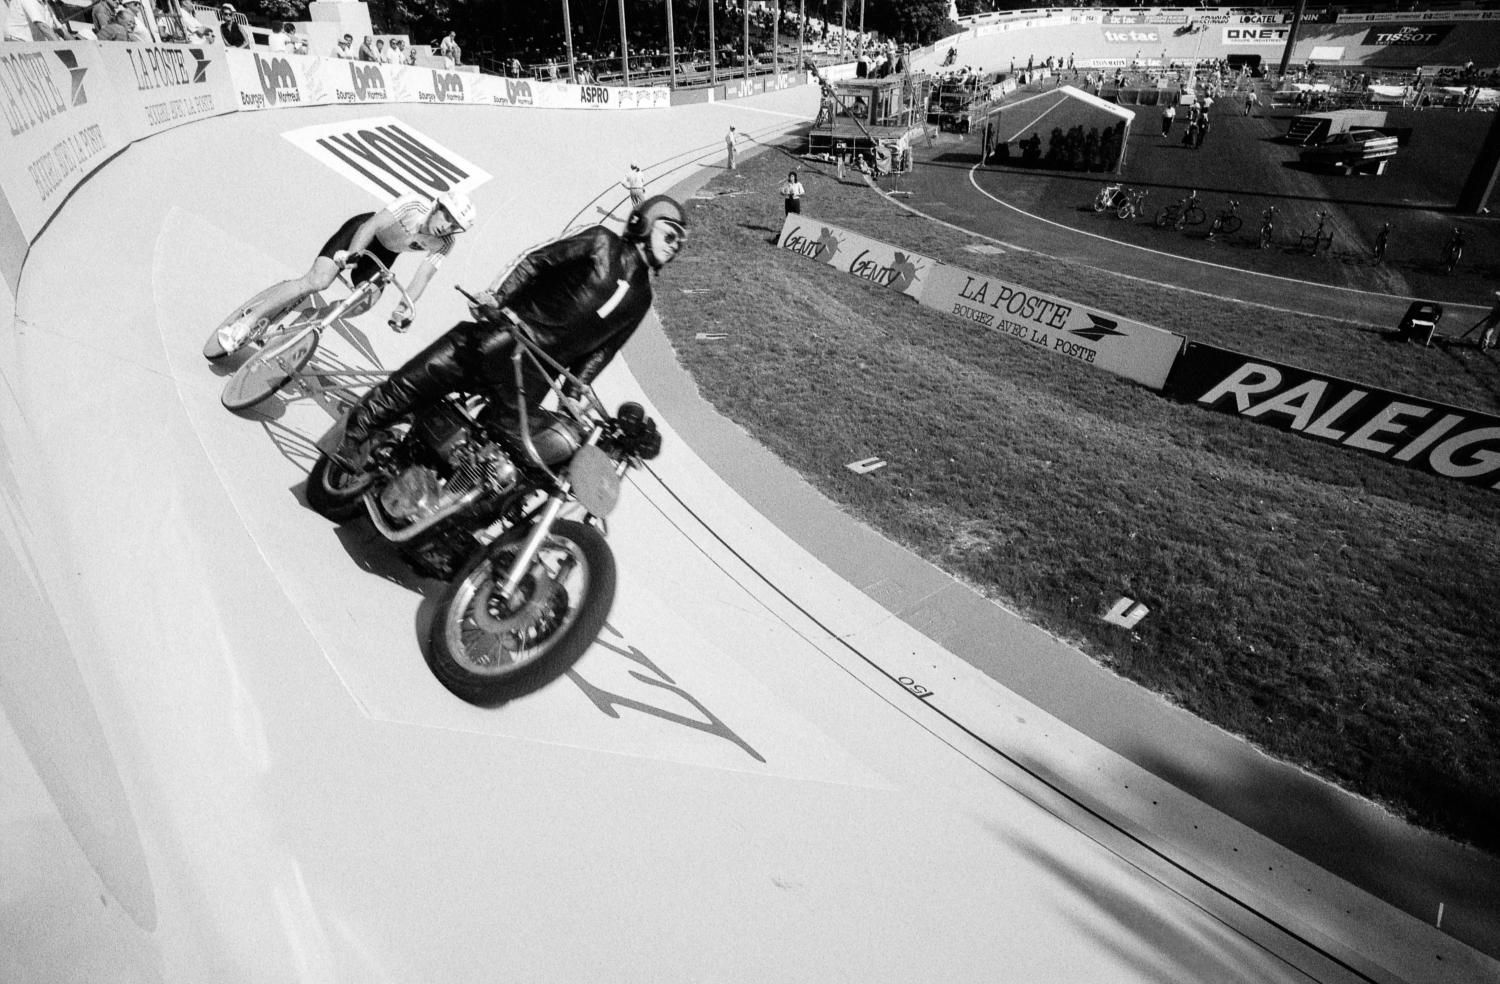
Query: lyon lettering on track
388	157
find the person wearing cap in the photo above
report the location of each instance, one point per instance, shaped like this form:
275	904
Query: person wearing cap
412	223
345	47
230	28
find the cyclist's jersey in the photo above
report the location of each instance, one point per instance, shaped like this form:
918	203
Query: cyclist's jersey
406	235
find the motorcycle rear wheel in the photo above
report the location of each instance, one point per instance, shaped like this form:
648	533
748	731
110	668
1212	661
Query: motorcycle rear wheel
335	492
487	650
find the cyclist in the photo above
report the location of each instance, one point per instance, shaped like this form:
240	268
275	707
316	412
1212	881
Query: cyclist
411	223
581	296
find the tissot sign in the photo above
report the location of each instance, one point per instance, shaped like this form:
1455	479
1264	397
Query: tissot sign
1408	34
1435	437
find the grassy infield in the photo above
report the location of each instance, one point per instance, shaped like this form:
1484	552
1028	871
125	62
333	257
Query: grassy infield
1333	608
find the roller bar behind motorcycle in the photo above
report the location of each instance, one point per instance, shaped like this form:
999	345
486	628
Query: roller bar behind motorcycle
511	514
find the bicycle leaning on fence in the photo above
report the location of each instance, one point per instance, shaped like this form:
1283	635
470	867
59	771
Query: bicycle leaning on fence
1453	250
1267	227
1319	240
1181	213
1227	221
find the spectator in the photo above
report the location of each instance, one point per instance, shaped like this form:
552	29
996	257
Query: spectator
230	28
635	183
514	67
1202	131
792	192
448	49
103	14
394	54
380	54
286	40
1167	116
731	146
121	27
192	27
367	49
345	47
32	20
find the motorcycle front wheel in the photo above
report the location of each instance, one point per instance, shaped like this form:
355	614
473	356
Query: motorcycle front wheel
335	492
487	649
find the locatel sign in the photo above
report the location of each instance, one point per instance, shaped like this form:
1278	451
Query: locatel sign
1437	438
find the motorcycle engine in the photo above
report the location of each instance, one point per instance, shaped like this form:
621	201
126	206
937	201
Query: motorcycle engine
420	491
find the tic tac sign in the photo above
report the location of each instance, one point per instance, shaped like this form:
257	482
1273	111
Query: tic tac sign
388	157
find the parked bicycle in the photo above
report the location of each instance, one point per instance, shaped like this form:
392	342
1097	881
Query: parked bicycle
1109	198
1319	240
1267	227
1382	242
1227	221
1182	213
1453	250
1133	205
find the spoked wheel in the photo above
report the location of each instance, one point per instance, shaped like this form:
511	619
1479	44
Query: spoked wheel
1164	218
214	349
1451	256
486	648
1230	224
336	492
1194	215
1127	211
269	369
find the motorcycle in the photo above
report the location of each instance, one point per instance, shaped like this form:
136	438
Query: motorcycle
478	499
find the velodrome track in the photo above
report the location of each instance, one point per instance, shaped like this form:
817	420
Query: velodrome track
226	760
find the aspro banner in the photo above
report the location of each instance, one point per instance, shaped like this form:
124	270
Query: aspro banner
1408	34
62	120
878	263
1435	437
1254	34
1075	331
173	84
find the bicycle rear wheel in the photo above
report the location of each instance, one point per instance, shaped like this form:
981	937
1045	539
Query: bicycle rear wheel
1163	218
1194	215
268	370
1230	224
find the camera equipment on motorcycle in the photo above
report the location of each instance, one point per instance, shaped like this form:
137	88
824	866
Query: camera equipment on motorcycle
638	225
459	208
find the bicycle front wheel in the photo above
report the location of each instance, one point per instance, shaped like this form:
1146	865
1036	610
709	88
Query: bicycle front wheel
1163	218
268	370
1230	224
1194	215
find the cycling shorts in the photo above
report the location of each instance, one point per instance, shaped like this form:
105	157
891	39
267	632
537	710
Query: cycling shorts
364	268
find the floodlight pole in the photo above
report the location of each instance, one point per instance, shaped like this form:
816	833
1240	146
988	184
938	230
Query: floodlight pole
1291	36
801	27
713	48
568	39
844	31
671	50
747	40
624	46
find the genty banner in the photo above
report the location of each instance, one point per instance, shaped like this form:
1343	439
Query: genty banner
388	157
1435	437
62	120
174	84
1076	331
878	263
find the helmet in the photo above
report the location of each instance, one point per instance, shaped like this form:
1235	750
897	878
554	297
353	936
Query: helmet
660	226
459	209
638	225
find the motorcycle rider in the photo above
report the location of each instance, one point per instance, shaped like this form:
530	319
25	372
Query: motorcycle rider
581	296
411	223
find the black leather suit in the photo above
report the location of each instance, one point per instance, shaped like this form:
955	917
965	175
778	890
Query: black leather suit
583	296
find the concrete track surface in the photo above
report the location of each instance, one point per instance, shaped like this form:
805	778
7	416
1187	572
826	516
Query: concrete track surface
224	758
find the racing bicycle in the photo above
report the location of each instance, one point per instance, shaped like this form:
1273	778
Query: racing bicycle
1319	240
287	341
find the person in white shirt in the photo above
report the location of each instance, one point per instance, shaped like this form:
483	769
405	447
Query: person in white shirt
31	20
345	47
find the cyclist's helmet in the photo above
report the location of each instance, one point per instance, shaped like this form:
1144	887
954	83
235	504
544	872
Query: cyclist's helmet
661	225
459	208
